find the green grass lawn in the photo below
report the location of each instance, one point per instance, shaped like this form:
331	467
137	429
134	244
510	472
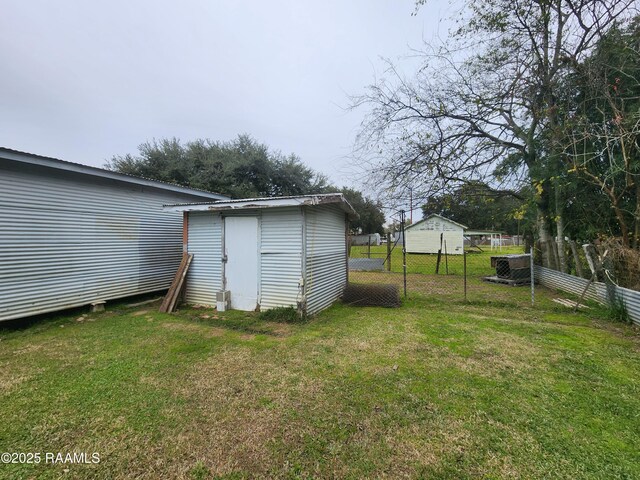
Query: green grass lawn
478	263
434	389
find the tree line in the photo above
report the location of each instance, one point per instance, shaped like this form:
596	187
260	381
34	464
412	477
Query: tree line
240	168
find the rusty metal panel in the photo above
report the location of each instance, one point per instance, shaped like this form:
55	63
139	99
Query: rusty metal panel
253	204
69	238
281	263
204	241
326	274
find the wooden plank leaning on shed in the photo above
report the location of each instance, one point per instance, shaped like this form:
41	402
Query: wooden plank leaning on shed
171	299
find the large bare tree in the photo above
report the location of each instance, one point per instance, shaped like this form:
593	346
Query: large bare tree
484	104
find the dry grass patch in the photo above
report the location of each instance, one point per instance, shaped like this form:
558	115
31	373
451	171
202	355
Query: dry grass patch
9	381
240	403
435	389
492	353
203	329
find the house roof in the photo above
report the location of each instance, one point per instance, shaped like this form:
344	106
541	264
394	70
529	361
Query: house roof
483	232
33	159
266	202
464	227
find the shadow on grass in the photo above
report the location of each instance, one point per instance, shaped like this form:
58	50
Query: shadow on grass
49	319
40	322
241	322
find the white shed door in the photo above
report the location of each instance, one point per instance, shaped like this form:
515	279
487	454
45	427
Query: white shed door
241	270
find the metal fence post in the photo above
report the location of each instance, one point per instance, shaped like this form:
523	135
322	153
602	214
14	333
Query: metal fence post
464	268
388	252
533	277
404	253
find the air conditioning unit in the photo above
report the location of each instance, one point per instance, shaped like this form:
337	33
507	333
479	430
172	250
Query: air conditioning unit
223	300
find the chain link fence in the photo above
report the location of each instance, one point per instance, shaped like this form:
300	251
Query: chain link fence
383	274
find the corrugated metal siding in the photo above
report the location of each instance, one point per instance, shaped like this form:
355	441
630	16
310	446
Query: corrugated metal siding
67	239
280	257
597	291
205	243
326	274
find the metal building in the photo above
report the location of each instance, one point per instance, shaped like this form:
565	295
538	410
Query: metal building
366	239
268	252
71	234
434	233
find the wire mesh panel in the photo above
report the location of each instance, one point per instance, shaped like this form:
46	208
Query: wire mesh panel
372	294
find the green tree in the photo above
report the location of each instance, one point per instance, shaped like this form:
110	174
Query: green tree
479	207
371	215
240	168
602	130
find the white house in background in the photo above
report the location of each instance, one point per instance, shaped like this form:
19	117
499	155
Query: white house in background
263	253
72	234
435	233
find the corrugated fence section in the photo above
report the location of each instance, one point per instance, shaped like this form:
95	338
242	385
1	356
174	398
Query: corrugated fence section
597	290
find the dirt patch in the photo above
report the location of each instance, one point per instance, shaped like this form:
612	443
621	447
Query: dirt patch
184	327
215	332
278	329
140	313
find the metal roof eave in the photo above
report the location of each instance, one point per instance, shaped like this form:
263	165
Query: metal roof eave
33	159
464	227
266	202
483	232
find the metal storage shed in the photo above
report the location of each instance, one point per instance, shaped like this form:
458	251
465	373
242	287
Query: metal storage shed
71	234
425	236
268	252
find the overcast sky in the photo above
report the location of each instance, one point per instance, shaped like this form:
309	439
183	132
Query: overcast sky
83	81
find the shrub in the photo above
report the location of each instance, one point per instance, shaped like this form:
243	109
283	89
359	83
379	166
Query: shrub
618	311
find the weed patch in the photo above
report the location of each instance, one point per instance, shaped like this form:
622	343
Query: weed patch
282	315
